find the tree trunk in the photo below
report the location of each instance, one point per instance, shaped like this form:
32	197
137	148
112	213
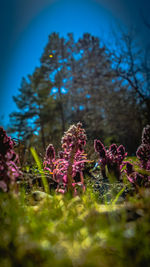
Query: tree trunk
61	110
42	136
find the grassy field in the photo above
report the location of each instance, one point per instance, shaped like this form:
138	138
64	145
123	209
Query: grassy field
38	229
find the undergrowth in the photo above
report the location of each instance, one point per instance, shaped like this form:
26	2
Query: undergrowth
58	230
70	214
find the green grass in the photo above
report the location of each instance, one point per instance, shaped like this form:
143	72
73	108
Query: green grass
39	229
80	231
39	165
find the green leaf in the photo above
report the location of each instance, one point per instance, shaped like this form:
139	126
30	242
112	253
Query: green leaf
118	195
44	180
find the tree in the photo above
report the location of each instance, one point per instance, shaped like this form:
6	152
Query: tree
35	107
132	64
77	81
95	86
20	120
54	60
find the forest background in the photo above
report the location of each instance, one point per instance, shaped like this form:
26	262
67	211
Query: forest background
105	87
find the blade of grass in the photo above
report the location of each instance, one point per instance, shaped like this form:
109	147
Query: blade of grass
44	180
117	196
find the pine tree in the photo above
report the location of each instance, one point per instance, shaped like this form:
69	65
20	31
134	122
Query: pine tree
20	120
54	60
76	81
35	107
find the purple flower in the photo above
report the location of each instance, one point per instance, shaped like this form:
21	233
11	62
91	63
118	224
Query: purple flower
9	171
146	135
129	168
143	151
70	160
100	149
49	158
61	154
112	157
50	152
136	179
143	154
98	145
113	149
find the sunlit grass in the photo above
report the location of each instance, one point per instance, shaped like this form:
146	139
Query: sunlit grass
37	160
92	229
80	231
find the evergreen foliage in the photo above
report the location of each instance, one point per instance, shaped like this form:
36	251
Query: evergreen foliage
77	81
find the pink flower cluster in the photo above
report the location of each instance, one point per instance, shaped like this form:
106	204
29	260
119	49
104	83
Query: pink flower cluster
70	161
143	151
9	171
134	177
143	154
111	157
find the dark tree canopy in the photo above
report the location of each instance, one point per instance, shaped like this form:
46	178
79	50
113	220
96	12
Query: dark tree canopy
78	81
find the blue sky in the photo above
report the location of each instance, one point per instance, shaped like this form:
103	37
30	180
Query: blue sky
26	25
